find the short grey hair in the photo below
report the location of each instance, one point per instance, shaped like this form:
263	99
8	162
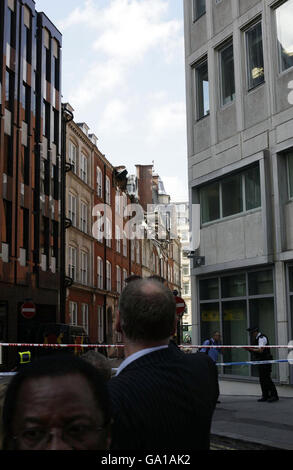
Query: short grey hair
147	310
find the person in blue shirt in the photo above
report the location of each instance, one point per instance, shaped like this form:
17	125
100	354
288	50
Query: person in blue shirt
213	352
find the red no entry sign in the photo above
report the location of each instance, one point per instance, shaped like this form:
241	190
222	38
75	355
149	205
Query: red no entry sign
28	310
180	306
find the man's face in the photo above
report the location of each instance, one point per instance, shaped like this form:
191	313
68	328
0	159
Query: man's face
58	413
217	337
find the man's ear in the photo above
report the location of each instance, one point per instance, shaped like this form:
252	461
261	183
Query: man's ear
175	326
118	323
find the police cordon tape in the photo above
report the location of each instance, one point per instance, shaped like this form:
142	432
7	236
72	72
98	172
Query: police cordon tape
98	345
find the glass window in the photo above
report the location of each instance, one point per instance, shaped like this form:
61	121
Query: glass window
227	74
108	190
252	188
203	99
261	282
234	286
72	155
84	268
85	317
199	8
100	324
83	167
100	272
73	313
209	289
234	332
262	315
210	320
290	173
210	203
255	63
285	34
99	182
232	200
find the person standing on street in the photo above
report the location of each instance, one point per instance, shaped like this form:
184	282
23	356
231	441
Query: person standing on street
213	353
260	353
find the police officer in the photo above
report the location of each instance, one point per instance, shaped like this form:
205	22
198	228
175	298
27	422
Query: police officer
259	353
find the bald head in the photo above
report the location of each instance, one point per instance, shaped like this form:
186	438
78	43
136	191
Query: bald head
147	311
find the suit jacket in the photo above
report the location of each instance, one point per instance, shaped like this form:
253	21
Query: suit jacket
164	401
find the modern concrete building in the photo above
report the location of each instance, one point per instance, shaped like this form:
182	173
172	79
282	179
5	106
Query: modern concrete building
30	155
239	72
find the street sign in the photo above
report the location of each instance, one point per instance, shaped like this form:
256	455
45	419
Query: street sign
28	309
180	306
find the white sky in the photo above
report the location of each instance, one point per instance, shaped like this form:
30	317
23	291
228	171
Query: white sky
123	73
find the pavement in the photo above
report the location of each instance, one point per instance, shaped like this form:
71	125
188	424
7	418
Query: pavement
244	418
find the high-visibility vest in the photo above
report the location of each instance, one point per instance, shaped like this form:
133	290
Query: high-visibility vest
25	357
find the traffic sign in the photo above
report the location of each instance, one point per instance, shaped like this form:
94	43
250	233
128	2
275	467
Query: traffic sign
28	309
180	306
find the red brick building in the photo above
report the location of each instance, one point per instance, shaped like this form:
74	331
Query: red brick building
96	264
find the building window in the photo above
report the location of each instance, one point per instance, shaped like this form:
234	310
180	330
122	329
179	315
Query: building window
108	190
100	324
124	244
84	268
124	278
227	74
73	156
199	9
285	35
118	279
108	276
202	89
232	195
99	182
100	273
46	119
118	239
72	267
83	170
85	317
289	157
73	313
231	303
254	52
108	233
9	89
72	209
83	217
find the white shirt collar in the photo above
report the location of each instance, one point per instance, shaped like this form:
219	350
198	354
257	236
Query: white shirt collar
137	355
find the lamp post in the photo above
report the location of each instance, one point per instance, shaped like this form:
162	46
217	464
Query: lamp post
66	117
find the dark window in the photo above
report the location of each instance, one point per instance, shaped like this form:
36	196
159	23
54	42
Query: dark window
25	240
227	73
48	64
56	127
10	28
8	155
255	63
57	72
202	86
199	8
8	223
9	90
46	236
26	165
232	198
210	202
55	233
26	101
46	119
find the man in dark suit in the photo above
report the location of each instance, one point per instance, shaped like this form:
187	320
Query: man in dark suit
162	398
